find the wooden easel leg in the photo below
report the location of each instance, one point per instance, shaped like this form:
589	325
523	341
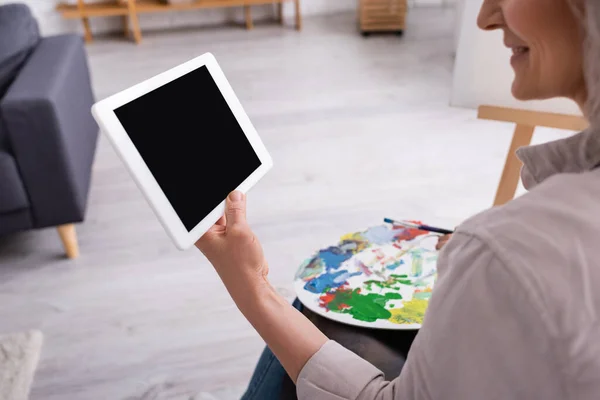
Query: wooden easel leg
280	12
68	236
133	20
512	168
298	15
248	14
87	30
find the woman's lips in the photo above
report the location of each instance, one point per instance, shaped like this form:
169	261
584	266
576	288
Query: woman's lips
520	53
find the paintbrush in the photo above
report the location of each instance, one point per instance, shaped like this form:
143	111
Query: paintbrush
412	225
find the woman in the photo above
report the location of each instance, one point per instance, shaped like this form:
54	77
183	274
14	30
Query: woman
515	312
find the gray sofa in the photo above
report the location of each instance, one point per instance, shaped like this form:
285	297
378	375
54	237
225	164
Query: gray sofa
47	134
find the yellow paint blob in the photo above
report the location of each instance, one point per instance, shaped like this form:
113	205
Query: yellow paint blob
412	312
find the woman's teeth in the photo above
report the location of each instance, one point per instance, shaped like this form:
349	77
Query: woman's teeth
520	50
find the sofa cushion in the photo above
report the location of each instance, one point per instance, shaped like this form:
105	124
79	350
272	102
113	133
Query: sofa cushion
4	142
19	34
3	138
12	193
15	221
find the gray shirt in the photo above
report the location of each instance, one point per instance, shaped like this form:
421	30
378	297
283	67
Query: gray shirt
515	311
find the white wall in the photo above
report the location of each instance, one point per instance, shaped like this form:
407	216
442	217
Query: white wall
482	71
51	22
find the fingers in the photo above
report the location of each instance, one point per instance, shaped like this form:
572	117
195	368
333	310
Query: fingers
203	244
442	240
222	221
211	237
235	215
235	209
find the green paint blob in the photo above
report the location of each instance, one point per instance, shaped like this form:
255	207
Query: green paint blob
392	282
364	307
422	295
417	264
412	312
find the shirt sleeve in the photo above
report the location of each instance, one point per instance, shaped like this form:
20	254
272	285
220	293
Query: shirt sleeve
482	338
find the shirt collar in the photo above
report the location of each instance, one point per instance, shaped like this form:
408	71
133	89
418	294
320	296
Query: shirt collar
575	154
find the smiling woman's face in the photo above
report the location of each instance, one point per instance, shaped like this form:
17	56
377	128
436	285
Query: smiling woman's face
547	44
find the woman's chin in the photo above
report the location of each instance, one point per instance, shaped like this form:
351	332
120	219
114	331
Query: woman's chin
522	92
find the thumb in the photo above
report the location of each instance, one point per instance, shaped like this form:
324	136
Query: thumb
235	208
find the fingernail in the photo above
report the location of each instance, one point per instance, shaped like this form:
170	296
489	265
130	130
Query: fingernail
235	195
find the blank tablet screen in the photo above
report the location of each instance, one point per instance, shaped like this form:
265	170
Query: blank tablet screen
191	142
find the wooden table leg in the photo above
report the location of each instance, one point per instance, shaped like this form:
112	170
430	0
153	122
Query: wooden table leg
126	26
512	168
248	14
87	30
280	12
68	236
298	15
134	22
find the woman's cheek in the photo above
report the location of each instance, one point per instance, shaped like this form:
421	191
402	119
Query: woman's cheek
523	16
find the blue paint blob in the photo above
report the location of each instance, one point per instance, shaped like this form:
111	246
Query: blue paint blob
333	257
328	281
311	267
395	265
382	234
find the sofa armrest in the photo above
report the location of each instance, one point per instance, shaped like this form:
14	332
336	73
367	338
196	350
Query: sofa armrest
53	135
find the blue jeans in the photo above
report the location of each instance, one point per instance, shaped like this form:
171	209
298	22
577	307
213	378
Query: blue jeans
268	375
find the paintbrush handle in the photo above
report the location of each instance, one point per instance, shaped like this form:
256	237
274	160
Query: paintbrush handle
417	226
435	230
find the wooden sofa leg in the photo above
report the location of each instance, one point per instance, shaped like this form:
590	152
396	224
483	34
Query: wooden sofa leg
68	236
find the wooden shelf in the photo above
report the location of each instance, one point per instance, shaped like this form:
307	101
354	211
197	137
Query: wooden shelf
71	11
152	6
382	15
130	9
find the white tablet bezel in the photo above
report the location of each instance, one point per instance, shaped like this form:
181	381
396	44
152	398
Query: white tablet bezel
103	112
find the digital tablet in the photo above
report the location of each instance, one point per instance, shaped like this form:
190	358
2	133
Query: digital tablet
187	142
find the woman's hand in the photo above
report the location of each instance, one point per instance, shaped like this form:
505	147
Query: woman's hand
233	249
442	240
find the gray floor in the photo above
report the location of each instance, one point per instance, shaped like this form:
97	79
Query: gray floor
359	129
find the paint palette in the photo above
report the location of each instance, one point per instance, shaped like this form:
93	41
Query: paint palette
379	278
